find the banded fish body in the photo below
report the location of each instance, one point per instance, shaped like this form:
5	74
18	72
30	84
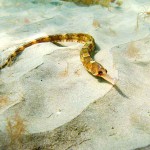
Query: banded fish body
91	65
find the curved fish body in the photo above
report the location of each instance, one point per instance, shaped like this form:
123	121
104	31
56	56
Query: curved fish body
92	66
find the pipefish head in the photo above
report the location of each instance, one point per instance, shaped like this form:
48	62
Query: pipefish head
102	72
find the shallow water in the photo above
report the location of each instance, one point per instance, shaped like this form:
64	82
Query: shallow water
49	92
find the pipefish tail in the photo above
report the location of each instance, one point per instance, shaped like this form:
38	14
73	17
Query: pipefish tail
95	68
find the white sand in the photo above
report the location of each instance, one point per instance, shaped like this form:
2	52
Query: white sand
48	85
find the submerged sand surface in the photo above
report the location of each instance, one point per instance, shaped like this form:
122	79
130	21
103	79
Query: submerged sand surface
49	100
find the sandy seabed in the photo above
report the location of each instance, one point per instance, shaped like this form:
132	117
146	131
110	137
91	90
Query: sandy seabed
47	98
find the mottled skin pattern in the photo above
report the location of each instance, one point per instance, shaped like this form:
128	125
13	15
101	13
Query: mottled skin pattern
93	67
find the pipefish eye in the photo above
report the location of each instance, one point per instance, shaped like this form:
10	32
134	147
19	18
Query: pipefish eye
100	72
